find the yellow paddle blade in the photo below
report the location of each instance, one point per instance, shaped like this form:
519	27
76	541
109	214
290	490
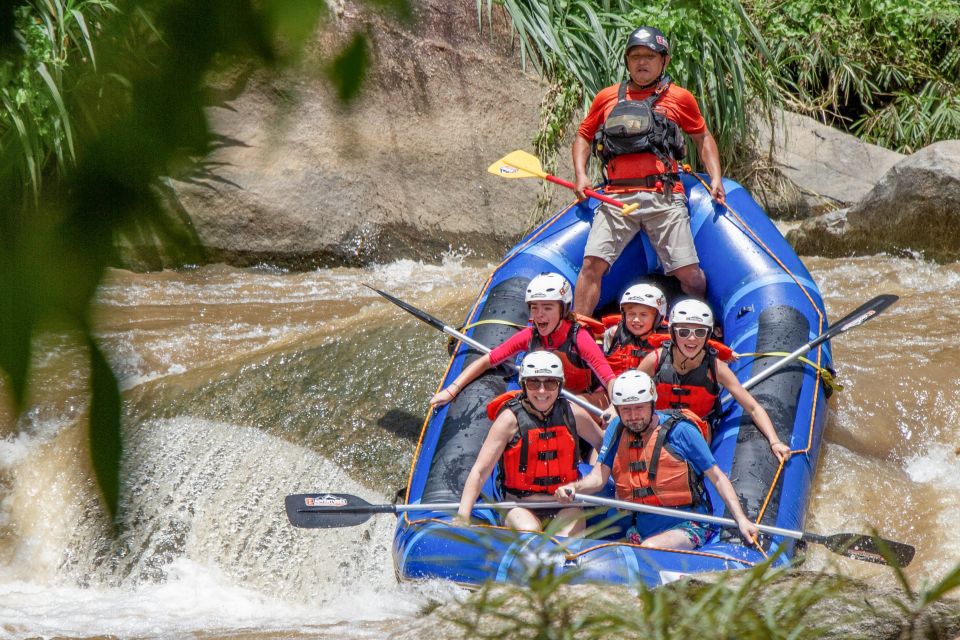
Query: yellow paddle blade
517	164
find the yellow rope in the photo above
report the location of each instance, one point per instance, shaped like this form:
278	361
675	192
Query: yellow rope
825	374
820	322
491	321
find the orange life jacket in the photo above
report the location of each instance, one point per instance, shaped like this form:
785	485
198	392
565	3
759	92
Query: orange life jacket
577	374
696	390
543	454
650	473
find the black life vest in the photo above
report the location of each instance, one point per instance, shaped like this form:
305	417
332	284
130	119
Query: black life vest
577	375
696	390
634	126
543	454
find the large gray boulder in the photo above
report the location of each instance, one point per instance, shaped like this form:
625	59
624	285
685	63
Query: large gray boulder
298	180
913	210
824	168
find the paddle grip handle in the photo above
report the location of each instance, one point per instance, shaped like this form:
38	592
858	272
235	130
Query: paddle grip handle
589	192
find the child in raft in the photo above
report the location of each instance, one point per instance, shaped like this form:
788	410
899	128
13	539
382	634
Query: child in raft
689	375
555	329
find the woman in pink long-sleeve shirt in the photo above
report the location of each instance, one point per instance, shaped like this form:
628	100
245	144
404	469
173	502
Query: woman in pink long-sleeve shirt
553	329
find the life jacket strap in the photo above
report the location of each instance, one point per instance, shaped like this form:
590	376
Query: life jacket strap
547	455
547	481
657	180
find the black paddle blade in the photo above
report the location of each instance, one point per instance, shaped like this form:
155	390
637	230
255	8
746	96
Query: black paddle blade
864	312
869	548
330	510
422	315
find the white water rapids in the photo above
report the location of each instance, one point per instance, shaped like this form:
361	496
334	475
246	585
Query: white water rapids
242	386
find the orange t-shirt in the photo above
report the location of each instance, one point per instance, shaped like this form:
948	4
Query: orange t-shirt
676	103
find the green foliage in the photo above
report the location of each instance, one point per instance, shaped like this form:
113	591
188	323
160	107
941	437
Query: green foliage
714	53
888	71
762	602
99	101
49	40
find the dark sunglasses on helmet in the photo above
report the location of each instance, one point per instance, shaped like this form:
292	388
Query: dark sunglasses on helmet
550	384
686	332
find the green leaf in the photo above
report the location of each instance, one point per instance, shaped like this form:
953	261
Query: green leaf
106	446
349	68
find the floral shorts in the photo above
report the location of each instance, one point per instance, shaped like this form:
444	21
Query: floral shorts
697	533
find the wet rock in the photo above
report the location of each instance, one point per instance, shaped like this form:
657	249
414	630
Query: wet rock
821	168
298	180
913	210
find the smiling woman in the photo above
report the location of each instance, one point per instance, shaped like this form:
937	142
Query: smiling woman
535	440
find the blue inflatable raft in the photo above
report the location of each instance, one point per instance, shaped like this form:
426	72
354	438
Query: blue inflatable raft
766	302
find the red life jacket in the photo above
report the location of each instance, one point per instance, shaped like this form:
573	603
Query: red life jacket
651	473
627	350
696	390
577	374
543	454
635	127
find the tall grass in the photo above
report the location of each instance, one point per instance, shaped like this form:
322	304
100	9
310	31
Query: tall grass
716	52
52	47
886	71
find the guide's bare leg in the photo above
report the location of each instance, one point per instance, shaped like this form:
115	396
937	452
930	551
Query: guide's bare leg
691	277
586	294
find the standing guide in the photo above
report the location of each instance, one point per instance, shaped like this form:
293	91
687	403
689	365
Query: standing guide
636	129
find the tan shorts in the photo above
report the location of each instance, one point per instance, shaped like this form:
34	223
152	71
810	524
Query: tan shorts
665	220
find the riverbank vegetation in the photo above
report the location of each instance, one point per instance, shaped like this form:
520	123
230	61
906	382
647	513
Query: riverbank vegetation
888	72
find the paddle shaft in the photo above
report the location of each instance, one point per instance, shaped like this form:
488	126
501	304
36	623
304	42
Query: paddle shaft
852	545
450	331
853	319
435	506
684	515
590	192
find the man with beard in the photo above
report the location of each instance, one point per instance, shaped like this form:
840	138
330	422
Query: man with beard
657	458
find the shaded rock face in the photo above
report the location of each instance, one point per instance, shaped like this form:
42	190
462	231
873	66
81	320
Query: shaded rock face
913	210
823	168
298	180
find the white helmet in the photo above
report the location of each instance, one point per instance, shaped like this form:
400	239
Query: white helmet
633	387
691	312
647	295
541	364
549	286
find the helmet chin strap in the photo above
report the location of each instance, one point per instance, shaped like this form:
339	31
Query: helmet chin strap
656	80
